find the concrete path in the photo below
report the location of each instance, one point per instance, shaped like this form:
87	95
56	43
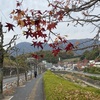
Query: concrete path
32	90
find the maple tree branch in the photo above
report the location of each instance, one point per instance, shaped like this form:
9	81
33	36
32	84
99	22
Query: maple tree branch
85	6
89	18
96	38
85	20
97	45
11	41
49	19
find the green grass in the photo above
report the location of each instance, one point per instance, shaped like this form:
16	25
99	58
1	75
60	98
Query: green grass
94	78
93	70
57	88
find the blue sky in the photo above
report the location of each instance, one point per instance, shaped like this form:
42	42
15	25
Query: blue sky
6	6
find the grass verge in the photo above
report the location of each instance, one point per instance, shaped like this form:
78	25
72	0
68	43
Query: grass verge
57	88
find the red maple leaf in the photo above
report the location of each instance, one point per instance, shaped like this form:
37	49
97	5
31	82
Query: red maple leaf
56	51
39	33
45	40
18	4
18	11
43	22
69	47
51	26
52	45
35	44
39	12
43	29
41	56
35	56
25	22
39	44
34	34
28	33
44	35
9	26
37	22
64	41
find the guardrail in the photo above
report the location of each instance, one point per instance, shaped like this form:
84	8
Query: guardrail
9	87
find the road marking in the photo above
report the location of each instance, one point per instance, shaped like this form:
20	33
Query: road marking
22	85
8	98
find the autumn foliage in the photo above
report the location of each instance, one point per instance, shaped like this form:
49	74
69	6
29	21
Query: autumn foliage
39	25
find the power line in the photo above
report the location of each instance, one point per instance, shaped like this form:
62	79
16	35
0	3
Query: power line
3	15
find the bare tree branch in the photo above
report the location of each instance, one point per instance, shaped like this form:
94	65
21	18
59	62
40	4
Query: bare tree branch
10	43
84	48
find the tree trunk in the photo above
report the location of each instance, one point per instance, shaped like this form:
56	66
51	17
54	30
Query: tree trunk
25	75
17	76
1	62
1	76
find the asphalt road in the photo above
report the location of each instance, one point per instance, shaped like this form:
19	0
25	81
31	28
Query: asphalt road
32	90
11	79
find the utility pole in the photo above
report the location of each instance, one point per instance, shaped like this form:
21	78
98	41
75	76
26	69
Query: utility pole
1	62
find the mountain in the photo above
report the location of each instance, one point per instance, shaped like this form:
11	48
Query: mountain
27	47
82	43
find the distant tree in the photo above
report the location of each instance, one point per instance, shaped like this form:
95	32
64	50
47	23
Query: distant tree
48	56
66	55
12	58
91	55
95	53
21	60
86	54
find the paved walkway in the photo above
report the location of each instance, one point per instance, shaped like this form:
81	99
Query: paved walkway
32	90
